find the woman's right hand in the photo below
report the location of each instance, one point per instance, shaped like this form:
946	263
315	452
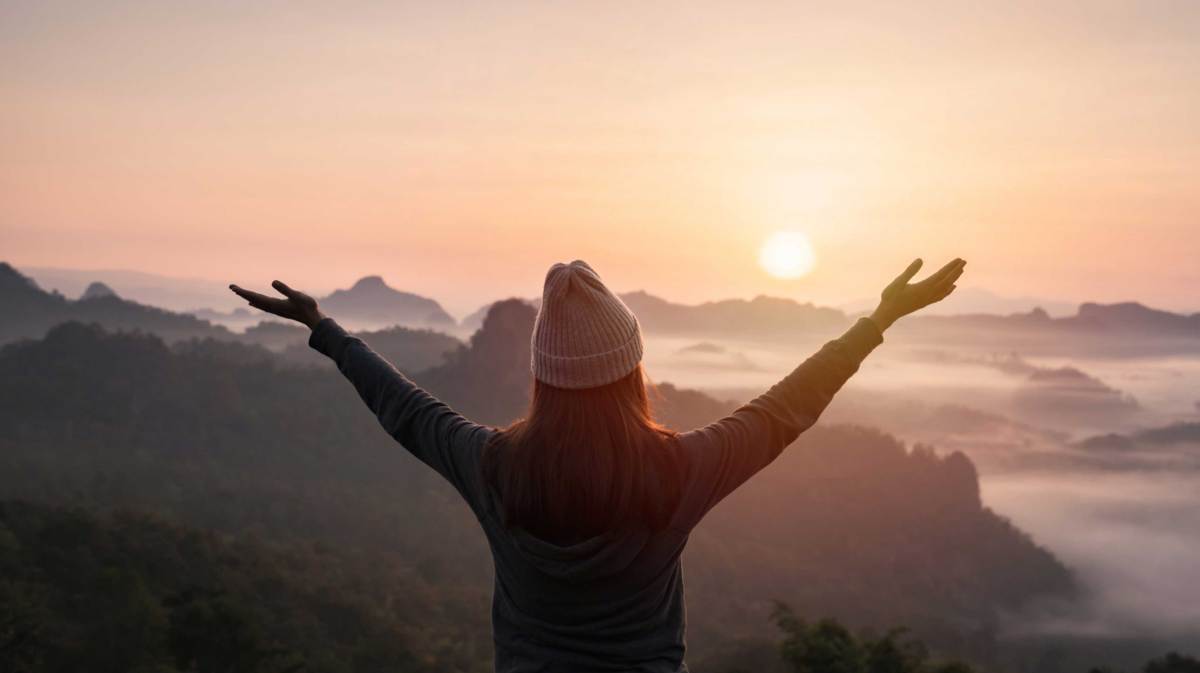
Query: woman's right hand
295	306
901	298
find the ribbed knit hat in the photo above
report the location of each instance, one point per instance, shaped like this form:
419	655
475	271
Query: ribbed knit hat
584	335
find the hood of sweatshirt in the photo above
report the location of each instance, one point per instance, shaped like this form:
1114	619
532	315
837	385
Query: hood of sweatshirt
609	553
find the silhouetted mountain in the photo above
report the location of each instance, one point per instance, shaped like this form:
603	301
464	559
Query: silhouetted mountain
1134	317
707	347
22	293
29	312
759	318
1122	329
370	303
1125	316
1176	433
222	436
1116	330
710	356
33	311
174	293
1111	441
474	320
1113	329
97	290
370	300
1066	394
488	378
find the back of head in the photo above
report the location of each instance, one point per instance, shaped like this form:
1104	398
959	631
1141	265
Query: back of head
588	456
584	335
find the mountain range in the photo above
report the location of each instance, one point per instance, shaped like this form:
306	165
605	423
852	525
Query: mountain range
370	304
29	311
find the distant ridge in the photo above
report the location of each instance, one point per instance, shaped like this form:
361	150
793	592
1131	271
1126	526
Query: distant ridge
775	318
1134	315
1123	316
30	311
756	317
174	293
370	303
1180	432
761	317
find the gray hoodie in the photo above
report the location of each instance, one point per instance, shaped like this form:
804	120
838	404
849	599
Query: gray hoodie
613	602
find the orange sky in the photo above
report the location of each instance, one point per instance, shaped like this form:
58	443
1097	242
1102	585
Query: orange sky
458	150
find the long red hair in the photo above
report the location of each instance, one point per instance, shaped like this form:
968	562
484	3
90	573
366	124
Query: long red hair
585	461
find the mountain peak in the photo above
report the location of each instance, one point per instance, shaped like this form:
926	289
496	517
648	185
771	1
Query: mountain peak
370	283
97	290
372	300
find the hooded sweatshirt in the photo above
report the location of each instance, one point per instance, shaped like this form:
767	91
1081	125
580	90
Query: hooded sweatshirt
613	602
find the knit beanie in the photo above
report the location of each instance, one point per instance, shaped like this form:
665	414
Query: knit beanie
584	335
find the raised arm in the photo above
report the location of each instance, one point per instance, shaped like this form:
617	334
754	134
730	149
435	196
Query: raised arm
724	454
428	428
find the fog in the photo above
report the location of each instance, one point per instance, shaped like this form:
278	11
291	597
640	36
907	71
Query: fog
1126	520
1132	537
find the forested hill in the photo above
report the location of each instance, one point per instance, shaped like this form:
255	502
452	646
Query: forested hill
132	592
222	436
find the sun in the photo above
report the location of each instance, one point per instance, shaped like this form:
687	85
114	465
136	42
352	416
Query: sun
787	254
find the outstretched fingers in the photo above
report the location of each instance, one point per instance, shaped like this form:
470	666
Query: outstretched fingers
259	301
944	277
250	296
943	283
956	273
284	290
952	268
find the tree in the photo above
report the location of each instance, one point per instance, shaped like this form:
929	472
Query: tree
823	647
215	634
828	647
1172	662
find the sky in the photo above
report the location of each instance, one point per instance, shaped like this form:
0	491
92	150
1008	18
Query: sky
458	149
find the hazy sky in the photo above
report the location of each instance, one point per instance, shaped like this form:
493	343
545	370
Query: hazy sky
458	149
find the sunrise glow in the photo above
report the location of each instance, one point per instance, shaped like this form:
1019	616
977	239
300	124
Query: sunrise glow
787	254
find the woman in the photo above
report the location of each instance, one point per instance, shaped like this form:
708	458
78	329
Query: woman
587	503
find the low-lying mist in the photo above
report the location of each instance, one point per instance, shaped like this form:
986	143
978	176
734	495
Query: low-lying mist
1057	444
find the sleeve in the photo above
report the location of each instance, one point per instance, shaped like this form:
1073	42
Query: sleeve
724	454
426	427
